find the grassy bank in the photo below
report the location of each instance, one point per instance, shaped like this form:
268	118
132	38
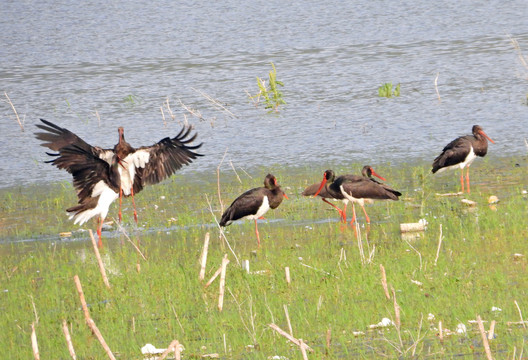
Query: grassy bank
335	291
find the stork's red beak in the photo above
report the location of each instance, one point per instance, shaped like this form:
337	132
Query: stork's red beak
486	136
320	187
286	196
376	175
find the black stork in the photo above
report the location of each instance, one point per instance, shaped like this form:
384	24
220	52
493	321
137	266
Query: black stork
325	194
461	152
100	175
254	203
357	189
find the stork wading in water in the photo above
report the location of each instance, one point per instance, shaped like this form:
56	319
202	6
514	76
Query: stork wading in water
357	189
100	175
254	203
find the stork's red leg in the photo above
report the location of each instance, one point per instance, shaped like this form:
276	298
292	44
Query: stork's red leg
335	207
366	216
344	213
134	204
354	214
467	179
99	230
256	232
462	179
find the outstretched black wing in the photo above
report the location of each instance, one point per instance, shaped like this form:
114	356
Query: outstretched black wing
159	161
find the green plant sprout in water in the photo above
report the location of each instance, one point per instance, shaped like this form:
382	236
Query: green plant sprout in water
270	92
387	91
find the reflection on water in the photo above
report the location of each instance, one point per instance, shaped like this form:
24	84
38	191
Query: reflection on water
69	61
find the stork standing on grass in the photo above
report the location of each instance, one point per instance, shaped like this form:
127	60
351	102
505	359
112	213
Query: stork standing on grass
461	152
254	203
100	175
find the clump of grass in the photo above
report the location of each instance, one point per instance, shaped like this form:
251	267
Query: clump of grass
269	91
387	90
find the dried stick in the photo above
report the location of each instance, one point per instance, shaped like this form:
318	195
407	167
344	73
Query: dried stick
34	310
288	336
173	346
520	313
397	321
484	338
34	343
287	274
328	338
89	321
68	339
288	319
436	87
14	110
215	275
491	331
216	103
384	282
221	231
203	258
123	231
218	182
225	261
99	260
439	245
303	349
163	116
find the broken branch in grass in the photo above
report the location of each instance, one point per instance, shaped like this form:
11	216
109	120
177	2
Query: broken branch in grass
68	339
289	337
89	321
99	260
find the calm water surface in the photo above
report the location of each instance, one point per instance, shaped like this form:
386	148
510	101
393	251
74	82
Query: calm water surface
64	61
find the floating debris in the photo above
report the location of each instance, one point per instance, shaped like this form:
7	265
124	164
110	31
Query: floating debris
468	202
383	323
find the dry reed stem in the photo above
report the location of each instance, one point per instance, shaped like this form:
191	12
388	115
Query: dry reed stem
328	338
218	181
34	309
520	313
99	260
163	116
220	228
485	342
203	258
436	87
215	275
68	339
221	291
287	275
34	343
14	110
216	103
491	332
173	346
233	167
439	245
517	47
98	117
123	231
303	349
288	336
384	282
396	310
89	321
288	319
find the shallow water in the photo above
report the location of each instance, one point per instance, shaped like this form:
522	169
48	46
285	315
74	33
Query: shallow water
66	61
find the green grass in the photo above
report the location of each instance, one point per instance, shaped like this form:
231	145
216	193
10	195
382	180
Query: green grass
330	288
